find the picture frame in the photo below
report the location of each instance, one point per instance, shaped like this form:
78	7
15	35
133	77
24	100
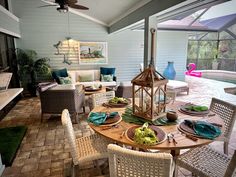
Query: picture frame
93	53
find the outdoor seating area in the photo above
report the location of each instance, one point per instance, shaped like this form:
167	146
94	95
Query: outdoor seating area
48	148
138	88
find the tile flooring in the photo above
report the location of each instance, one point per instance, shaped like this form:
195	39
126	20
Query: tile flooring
44	150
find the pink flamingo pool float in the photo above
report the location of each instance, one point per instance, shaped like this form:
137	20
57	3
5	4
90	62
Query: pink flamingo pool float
191	67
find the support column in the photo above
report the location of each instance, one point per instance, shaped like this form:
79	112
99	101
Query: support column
150	22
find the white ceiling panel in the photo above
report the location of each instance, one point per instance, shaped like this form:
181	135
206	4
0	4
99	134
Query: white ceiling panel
107	11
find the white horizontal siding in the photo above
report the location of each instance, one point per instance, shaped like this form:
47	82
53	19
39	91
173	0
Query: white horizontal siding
41	28
172	46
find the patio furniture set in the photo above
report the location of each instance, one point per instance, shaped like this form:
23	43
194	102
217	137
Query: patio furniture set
111	141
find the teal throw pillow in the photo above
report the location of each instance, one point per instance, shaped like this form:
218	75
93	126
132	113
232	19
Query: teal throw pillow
104	70
59	73
65	80
107	78
86	78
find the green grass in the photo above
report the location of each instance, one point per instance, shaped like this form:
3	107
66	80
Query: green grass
10	140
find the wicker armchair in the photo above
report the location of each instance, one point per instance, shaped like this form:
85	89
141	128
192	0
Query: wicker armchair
100	98
53	101
125	162
227	112
88	148
206	162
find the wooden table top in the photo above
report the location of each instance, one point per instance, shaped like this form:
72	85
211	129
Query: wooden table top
115	133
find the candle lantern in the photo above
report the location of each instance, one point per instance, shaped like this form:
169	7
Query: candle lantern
149	94
149	90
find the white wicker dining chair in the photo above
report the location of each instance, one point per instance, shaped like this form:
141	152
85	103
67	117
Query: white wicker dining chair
88	148
227	112
100	98
125	162
207	162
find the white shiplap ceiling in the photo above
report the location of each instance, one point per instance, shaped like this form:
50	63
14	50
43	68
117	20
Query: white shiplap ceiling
106	12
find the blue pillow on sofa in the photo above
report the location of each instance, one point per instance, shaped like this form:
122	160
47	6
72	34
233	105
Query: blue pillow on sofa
59	73
107	71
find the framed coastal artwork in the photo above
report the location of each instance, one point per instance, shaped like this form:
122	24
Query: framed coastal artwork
93	53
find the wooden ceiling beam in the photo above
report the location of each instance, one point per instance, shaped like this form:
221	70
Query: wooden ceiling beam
158	8
147	10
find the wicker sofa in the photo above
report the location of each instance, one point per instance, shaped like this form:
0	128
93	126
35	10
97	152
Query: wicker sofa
74	74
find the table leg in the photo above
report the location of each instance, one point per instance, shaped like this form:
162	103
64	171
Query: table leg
175	154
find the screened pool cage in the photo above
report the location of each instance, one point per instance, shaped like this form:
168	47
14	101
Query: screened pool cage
213	50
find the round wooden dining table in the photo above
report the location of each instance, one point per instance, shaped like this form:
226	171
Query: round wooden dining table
117	133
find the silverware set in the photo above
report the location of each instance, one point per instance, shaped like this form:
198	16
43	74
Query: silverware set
171	136
115	126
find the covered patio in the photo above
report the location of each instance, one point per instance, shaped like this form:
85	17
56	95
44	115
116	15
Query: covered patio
72	57
45	151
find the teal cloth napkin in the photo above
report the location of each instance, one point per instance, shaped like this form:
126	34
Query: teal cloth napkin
204	129
98	118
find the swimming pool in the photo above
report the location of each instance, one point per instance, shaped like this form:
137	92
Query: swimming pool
220	75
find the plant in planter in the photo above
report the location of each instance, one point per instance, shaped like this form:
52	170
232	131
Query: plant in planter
30	67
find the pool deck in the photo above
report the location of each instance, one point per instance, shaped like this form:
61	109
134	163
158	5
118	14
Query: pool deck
201	90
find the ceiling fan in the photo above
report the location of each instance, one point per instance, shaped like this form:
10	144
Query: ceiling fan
64	4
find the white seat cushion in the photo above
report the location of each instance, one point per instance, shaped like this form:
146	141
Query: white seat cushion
105	84
86	84
73	76
173	84
113	83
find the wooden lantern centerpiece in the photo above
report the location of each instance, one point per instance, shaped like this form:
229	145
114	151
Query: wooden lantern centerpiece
149	94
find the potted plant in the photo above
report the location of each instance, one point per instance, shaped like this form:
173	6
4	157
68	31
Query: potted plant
30	67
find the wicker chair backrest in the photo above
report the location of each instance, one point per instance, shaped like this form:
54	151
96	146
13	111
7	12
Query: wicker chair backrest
67	124
227	112
126	162
100	98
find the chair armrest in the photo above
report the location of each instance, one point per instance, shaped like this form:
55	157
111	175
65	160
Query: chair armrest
79	87
43	86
